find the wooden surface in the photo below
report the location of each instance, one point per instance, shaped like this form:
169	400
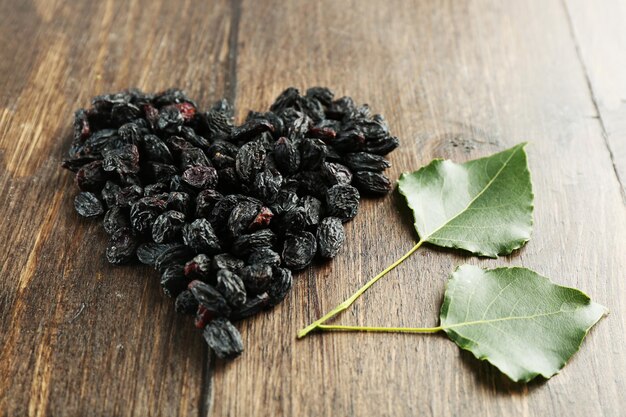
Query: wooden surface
455	79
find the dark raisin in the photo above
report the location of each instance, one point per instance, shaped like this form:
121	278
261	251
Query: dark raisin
285	201
179	201
280	285
313	153
223	338
321	94
124	160
201	177
155	189
293	221
167	227
209	298
144	212
250	160
128	196
264	256
231	287
115	219
342	201
250	129
256	277
91	177
88	205
173	280
199	267
363	161
193	157
186	303
147	253
241	218
335	173
330	237
286	156
200	236
287	98
205	201
252	306
171	256
262	219
122	246
372	183
246	244
299	250
266	185
227	261
312	208
155	150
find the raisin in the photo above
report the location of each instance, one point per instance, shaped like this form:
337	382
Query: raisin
88	205
280	286
199	267
335	173
286	156
178	201
223	338
167	227
246	244
201	177
264	256
313	153
171	256
124	160
231	287
363	161
122	246
91	177
342	201
372	183
250	160
173	280
330	237
299	250
252	306
186	303
199	236
241	218
114	220
147	253
227	261
144	212
312	209
209	298
256	277
266	185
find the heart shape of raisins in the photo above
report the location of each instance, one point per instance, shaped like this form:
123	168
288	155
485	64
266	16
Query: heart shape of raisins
225	213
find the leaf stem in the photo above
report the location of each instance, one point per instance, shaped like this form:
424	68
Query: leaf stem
339	328
349	301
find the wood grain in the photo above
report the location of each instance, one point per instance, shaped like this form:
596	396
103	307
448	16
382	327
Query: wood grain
600	36
454	79
81	337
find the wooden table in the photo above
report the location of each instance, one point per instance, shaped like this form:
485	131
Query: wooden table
455	79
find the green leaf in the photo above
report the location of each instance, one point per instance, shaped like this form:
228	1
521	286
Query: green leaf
516	319
483	206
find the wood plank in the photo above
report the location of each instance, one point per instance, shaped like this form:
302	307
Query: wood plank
460	80
79	336
598	28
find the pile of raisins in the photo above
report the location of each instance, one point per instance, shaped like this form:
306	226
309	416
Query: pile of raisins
225	213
